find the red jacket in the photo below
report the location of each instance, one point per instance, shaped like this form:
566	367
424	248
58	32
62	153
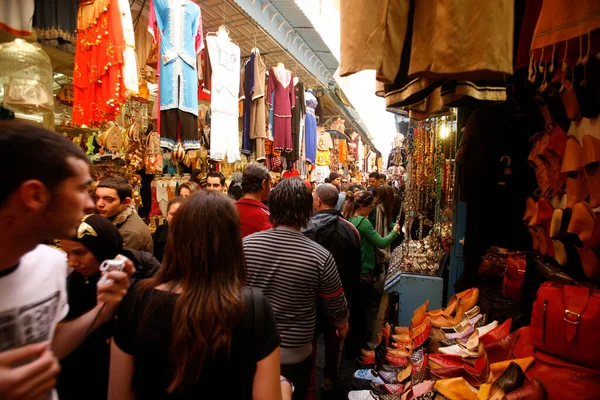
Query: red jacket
254	216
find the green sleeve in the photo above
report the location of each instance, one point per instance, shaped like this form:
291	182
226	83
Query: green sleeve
368	232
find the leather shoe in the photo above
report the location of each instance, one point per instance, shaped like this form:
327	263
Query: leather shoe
419	314
497	333
467	298
555	223
532	390
502	349
589	261
456	389
582	221
513	378
396	361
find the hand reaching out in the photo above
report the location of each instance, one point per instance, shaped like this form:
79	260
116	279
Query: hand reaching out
28	380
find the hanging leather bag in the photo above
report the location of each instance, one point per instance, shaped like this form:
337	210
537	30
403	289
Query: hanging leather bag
514	277
565	323
493	263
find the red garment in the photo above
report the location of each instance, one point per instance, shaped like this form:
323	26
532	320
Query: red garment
290	173
254	216
282	83
98	87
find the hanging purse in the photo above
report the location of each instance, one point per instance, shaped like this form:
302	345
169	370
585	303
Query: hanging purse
493	262
514	277
565	322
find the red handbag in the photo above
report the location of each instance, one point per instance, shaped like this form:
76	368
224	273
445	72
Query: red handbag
514	278
565	322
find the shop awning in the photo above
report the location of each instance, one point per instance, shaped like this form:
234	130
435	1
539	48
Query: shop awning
284	21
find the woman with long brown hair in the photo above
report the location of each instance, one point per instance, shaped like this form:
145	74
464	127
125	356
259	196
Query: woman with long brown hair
366	298
194	330
384	204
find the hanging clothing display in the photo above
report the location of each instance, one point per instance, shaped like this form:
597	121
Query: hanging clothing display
372	35
561	21
16	16
281	84
462	39
143	41
55	22
258	130
225	94
298	113
324	146
130	65
98	85
248	87
310	141
177	26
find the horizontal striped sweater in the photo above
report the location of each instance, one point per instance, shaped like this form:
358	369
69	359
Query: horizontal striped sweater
292	271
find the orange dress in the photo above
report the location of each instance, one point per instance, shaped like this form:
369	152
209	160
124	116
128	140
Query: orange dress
98	87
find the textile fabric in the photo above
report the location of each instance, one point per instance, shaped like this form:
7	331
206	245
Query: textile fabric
98	85
372	36
225	95
177	125
178	27
282	86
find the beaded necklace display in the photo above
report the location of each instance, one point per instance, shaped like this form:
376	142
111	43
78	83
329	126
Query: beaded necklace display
429	193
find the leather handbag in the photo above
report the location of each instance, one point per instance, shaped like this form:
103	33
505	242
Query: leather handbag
493	262
565	322
514	277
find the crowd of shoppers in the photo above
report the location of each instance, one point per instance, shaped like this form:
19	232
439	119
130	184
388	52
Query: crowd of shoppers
226	299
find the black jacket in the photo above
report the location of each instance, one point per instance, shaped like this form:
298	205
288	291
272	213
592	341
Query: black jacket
85	371
160	241
329	229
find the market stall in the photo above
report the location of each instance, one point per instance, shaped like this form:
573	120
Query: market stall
524	199
163	110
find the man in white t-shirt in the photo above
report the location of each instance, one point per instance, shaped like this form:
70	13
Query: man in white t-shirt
43	195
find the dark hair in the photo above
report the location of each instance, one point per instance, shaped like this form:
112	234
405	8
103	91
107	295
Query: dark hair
32	152
189	185
328	194
123	188
290	203
333	176
175	200
214	174
356	200
385	196
204	261
374	175
253	177
356	188
382	176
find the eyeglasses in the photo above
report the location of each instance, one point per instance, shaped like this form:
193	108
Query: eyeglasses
344	181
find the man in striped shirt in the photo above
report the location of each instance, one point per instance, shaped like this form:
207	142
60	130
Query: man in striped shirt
292	271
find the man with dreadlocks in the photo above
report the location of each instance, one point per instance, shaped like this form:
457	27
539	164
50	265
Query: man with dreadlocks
293	271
